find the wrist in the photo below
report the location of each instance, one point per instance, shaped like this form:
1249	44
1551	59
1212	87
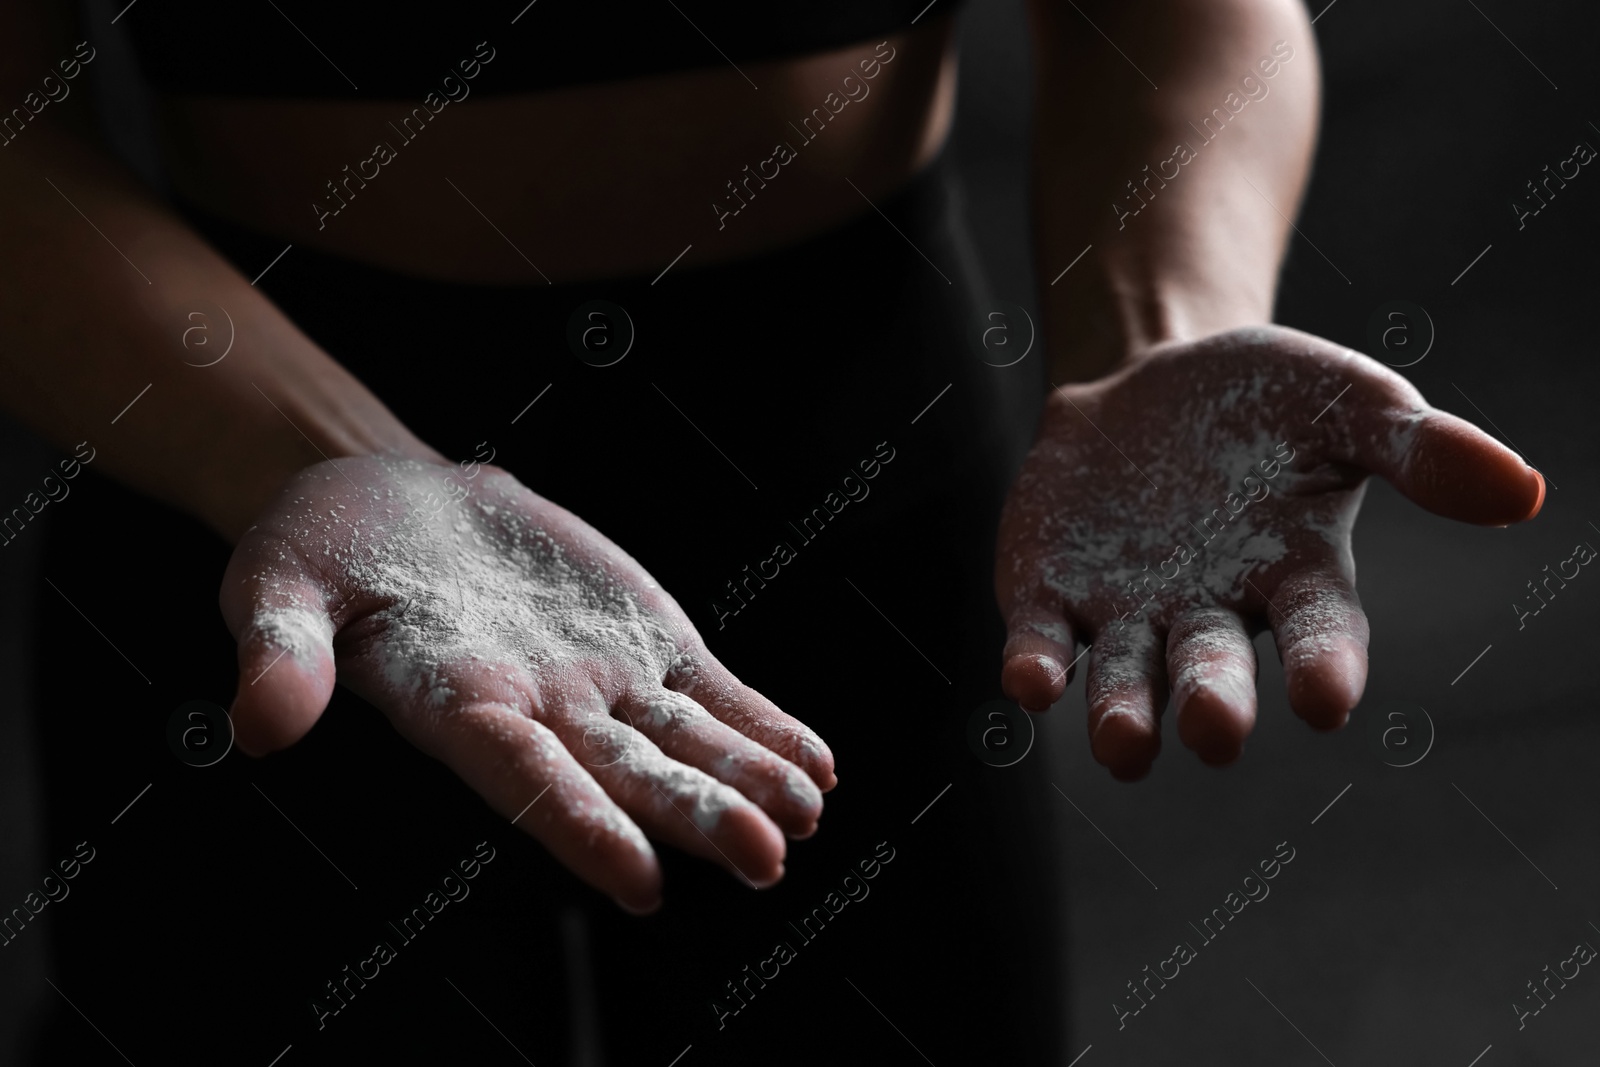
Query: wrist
1114	317
234	483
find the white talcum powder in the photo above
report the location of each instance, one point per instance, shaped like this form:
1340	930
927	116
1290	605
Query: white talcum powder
1095	514
469	603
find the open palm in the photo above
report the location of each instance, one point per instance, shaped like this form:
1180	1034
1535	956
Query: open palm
1168	512
509	639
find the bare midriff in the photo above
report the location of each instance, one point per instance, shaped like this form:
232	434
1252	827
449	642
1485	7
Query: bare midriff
605	180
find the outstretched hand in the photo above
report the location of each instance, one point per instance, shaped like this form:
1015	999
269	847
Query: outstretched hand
506	637
1169	511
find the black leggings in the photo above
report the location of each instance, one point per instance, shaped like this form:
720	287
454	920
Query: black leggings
219	908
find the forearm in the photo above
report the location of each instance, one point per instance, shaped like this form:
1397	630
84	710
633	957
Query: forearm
84	330
1185	219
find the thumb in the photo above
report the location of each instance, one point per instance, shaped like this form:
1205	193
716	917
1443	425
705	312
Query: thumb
278	612
1438	461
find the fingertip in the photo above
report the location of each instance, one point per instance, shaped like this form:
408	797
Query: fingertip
260	737
1036	662
773	879
639	891
1325	689
1220	757
815	758
826	772
286	677
649	909
268	719
1035	681
803	811
1133	771
759	843
1456	470
1126	743
1212	666
797	743
1212	727
1538	500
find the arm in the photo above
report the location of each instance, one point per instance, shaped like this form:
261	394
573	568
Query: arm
628	734
1190	248
1198	472
84	330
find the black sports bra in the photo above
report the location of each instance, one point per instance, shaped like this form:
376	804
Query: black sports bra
348	49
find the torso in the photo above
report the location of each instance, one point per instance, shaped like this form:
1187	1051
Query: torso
599	180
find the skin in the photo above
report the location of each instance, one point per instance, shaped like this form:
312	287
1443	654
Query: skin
223	442
1128	454
654	161
609	740
1153	335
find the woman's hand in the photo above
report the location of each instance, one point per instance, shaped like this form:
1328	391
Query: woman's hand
1168	511
506	637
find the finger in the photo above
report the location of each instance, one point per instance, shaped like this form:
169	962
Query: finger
697	673
1038	658
1126	689
688	733
1211	666
1440	462
278	612
522	769
1321	633
671	801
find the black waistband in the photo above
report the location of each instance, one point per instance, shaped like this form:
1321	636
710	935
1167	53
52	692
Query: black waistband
927	203
364	51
